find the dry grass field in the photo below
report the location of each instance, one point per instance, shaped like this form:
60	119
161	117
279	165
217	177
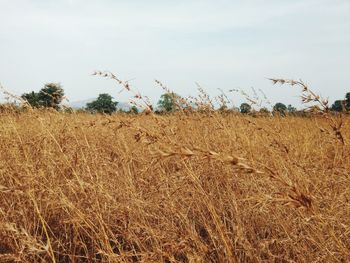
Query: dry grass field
175	188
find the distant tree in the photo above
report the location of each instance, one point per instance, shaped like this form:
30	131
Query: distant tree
103	104
245	108
223	108
32	98
50	96
280	107
342	105
339	105
235	109
347	96
167	102
264	110
68	110
291	109
134	109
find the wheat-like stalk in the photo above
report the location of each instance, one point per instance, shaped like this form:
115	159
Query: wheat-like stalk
309	96
144	100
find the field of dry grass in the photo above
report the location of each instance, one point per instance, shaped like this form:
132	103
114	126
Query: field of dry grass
176	188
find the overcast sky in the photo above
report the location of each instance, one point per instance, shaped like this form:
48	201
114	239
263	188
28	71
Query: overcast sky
220	44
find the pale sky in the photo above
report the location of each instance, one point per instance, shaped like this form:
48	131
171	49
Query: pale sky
219	44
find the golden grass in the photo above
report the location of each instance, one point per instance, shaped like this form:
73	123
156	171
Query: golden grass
177	188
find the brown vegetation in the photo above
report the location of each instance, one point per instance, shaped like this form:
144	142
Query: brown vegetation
173	188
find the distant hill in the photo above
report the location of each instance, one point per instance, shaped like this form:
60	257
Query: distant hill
82	104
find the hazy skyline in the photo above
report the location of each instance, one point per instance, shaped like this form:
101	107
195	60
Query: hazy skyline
221	44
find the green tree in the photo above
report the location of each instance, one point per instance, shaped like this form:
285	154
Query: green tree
339	105
291	109
280	107
264	110
134	110
103	104
347	96
32	98
245	108
51	95
168	101
223	108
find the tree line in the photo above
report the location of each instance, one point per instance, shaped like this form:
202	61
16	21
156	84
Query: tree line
342	105
52	95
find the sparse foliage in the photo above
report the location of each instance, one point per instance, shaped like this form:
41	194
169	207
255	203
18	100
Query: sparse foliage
134	109
291	109
167	102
